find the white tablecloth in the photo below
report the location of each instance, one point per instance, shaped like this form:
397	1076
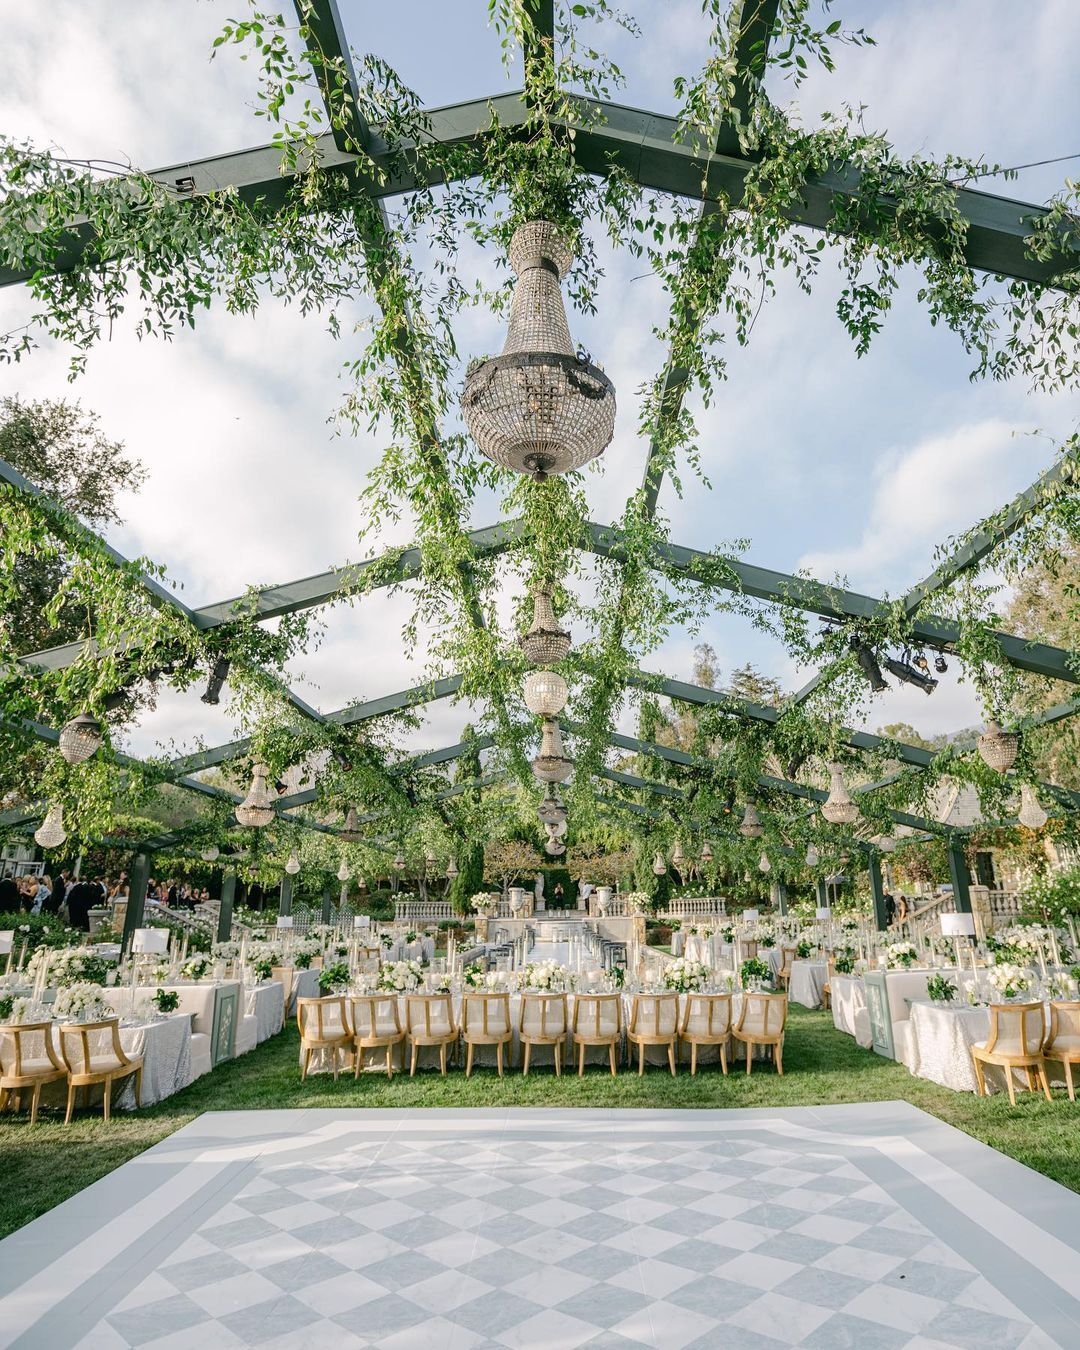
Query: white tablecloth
267	1002
940	1047
808	982
849	1010
305	985
166	1050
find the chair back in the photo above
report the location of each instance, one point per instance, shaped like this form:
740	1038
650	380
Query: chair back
321	1019
429	1014
485	1014
763	1014
284	975
376	1015
597	1015
24	1045
1064	1023
92	1047
707	1015
1016	1028
655	1014
787	955
748	948
542	1016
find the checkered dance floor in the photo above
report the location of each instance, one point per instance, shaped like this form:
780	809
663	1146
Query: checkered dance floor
867	1226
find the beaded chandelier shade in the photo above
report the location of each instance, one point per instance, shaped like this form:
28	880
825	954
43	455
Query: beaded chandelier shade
351	829
51	833
80	738
998	748
1031	812
751	827
257	808
539	408
552	765
545	693
545	644
838	808
551	811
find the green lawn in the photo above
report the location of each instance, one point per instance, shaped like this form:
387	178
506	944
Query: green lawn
45	1164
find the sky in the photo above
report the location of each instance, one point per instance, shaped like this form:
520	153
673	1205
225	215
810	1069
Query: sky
847	467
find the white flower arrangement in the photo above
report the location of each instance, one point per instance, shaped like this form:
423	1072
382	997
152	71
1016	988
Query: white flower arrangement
901	955
14	1008
401	977
226	951
473	975
484	903
497	981
1008	980
82	1001
636	902
686	976
197	968
69	965
545	975
1019	942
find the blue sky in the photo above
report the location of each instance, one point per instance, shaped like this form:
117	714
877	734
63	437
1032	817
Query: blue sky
848	467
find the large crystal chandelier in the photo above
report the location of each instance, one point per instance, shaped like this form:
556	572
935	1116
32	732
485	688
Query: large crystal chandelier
838	808
257	808
540	407
80	738
51	833
545	643
552	765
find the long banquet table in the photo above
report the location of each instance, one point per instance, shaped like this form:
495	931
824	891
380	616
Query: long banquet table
808	979
940	1047
850	1014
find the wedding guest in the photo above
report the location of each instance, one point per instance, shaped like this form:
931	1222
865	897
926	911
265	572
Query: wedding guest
59	894
10	896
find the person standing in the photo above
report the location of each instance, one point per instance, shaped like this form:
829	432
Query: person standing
890	910
59	894
79	899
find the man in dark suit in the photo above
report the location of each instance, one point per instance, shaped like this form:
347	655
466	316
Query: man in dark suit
55	902
79	899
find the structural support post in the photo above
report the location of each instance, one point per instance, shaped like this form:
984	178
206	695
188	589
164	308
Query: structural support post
877	893
343	898
285	901
327	897
225	913
823	894
958	875
136	905
779	897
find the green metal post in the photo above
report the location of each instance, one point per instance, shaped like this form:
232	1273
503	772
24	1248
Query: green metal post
877	892
327	897
225	913
958	875
823	893
136	906
779	897
285	901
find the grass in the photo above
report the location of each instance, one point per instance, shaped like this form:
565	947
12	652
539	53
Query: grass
45	1164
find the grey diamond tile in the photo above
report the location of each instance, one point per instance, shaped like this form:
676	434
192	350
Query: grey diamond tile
416	1232
228	1235
493	1313
891	1241
497	1267
377	1320
735	1338
973	1329
406	1268
713	1295
599	1262
794	1247
689	1222
140	1325
506	1229
824	1288
603	1305
303	1271
854	1333
266	1321
203	1270
599	1227
775	1216
693	1254
328	1232
863	1211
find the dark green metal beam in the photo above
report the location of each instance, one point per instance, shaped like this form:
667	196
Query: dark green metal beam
332	60
754	20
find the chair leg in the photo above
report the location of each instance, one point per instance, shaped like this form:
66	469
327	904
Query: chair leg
671	1056
107	1099
558	1059
390	1061
443	1049
336	1066
70	1104
749	1055
1010	1085
34	1103
611	1059
693	1059
499	1057
980	1082
1045	1082
525	1061
304	1063
358	1062
581	1059
641	1058
469	1060
138	1087
412	1062
778	1056
723	1057
1069	1079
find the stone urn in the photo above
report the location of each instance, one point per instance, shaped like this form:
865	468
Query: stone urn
603	899
517	899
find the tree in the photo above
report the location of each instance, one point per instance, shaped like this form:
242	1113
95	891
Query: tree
508	859
463	815
61	449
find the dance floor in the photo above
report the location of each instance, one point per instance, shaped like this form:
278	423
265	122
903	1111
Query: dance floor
867	1226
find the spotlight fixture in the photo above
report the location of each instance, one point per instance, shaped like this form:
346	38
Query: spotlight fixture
218	676
868	664
907	674
920	662
80	738
257	808
940	664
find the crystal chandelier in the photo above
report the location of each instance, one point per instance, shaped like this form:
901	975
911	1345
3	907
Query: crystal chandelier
343	872
838	808
80	738
257	808
350	831
764	865
211	853
659	866
451	869
551	810
545	693
293	865
813	857
539	408
706	852
1031	812
678	857
552	765
545	644
751	827
51	833
399	863
998	748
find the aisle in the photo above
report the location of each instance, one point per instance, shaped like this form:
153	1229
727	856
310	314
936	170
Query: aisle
833	1226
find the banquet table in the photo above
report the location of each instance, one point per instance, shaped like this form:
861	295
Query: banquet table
266	1001
940	1047
541	1055
305	985
849	1010
807	985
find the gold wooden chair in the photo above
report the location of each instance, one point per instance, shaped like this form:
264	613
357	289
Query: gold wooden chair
1063	1042
542	1020
27	1060
654	1020
826	988
429	1021
485	1020
286	977
324	1025
707	1021
376	1024
93	1054
787	956
762	1022
1015	1041
747	949
597	1021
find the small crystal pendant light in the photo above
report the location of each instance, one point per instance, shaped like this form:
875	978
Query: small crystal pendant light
751	827
552	765
257	808
545	644
51	833
1031	812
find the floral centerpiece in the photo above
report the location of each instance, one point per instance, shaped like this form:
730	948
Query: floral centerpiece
334	978
686	976
226	951
473	975
756	974
900	955
263	958
196	969
544	975
1019	943
1010	981
766	935
14	1008
71	965
166	1000
401	977
636	902
940	989
81	1001
804	949
484	903
844	961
